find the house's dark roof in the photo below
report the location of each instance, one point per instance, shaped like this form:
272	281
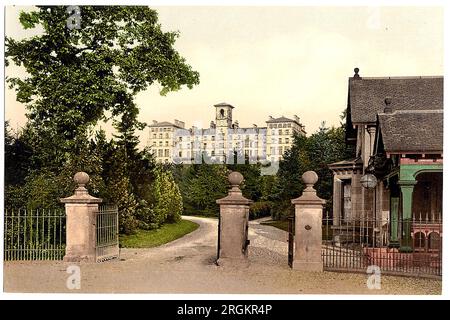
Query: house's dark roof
367	95
412	131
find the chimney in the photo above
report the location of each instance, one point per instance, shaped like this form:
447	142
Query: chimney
387	102
255	126
155	122
296	118
270	118
212	125
356	75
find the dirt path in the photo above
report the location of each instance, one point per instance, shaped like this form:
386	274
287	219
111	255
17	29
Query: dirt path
187	265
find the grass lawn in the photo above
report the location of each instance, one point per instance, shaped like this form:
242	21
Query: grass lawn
283	225
280	224
153	238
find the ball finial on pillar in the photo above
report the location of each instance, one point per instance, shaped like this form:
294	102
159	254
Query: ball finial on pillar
235	178
81	178
310	178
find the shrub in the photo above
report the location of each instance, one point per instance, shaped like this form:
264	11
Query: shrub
260	209
282	209
167	204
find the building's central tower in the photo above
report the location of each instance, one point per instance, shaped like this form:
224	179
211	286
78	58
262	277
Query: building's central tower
224	117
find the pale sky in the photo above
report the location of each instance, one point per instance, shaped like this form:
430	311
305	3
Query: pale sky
279	60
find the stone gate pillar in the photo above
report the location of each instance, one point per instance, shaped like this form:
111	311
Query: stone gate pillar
308	227
80	222
233	224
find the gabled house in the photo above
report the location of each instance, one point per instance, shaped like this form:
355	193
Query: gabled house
396	125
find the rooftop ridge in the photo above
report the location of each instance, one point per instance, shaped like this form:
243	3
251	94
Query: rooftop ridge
397	78
411	111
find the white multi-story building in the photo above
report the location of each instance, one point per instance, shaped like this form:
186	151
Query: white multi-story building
162	138
224	140
280	132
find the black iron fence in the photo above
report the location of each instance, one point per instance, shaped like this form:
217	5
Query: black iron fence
34	234
401	246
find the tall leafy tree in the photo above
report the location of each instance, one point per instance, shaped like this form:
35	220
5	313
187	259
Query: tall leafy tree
252	177
17	156
77	73
201	185
316	152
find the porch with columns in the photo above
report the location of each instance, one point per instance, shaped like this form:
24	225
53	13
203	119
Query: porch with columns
417	202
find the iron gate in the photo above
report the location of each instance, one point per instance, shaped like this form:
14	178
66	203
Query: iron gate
356	244
34	234
107	233
291	228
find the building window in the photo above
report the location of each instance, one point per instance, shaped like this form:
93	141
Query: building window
280	150
153	130
167	143
213	153
280	126
280	132
288	125
167	135
166	153
160	143
180	154
286	140
286	131
213	138
346	199
280	141
154	136
180	139
160	152
154	143
160	135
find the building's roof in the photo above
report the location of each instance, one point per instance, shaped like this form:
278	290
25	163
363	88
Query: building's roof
409	131
367	95
281	119
223	104
239	130
346	164
164	124
252	128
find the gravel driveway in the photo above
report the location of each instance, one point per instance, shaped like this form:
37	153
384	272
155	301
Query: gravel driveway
187	265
